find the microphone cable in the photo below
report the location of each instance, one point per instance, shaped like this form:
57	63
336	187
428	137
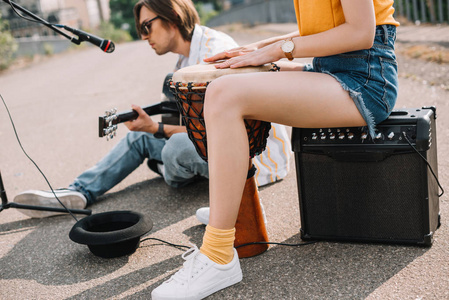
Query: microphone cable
242	245
144	239
37	167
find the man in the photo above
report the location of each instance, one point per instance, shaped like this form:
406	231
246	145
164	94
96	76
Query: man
168	26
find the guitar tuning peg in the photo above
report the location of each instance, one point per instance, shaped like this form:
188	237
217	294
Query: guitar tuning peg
110	112
110	132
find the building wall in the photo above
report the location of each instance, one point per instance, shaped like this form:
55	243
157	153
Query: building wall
86	14
257	12
35	38
81	8
51	5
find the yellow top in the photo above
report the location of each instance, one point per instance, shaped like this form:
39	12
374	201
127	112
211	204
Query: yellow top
316	16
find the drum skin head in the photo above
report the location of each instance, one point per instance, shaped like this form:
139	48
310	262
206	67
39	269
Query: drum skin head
207	73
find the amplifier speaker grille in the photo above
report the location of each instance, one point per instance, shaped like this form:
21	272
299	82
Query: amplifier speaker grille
393	200
357	199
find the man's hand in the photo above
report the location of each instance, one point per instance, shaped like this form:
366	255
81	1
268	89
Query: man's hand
143	121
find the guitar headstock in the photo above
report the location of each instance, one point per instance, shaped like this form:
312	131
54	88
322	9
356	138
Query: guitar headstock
107	124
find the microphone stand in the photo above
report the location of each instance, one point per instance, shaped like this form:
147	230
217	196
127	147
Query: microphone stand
5	204
44	22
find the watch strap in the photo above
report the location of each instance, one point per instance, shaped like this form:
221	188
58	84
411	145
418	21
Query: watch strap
159	134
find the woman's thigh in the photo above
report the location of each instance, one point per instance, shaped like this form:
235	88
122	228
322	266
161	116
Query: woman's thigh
298	99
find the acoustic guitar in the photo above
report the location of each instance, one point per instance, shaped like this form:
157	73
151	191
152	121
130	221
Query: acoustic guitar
107	124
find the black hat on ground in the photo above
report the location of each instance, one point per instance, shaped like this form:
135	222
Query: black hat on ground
111	234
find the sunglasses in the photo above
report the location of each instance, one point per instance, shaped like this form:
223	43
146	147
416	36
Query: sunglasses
145	28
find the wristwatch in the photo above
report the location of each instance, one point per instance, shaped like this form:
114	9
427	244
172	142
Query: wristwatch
288	46
159	134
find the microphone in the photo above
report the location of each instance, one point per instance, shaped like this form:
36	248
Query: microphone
105	45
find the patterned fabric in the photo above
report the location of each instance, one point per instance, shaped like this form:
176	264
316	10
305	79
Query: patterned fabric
206	42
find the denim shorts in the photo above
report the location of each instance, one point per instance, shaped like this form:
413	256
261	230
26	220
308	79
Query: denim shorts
370	76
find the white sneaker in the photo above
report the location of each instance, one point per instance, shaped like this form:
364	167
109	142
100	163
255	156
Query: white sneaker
199	277
202	215
71	199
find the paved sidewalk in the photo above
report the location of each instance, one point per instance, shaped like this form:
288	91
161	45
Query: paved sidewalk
55	105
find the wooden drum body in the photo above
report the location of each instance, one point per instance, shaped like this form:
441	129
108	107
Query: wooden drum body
189	85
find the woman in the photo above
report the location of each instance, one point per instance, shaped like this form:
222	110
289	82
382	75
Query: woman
353	82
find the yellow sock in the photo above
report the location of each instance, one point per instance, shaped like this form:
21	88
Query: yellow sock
218	244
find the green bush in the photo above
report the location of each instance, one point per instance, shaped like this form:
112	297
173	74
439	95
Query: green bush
122	14
48	49
204	15
7	45
108	31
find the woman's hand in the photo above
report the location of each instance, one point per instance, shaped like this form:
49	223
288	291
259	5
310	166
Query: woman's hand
143	121
268	54
232	53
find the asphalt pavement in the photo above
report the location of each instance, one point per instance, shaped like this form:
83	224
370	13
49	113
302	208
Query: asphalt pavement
55	105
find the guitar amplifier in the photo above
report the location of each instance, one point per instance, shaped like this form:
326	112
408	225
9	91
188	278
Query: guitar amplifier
356	188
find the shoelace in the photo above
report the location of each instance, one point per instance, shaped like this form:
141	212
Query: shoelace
190	267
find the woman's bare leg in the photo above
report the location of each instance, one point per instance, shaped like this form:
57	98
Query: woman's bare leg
298	99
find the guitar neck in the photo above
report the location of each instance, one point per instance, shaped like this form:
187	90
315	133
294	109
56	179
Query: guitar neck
106	121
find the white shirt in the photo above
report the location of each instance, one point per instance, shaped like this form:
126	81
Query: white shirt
274	163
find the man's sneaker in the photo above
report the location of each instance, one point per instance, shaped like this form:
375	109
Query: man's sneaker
156	166
71	199
199	277
202	215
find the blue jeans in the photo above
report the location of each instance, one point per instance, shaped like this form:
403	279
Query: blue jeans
182	164
370	76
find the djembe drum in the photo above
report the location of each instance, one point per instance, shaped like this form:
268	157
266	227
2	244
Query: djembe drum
189	85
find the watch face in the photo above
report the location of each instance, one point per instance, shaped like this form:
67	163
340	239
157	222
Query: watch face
288	46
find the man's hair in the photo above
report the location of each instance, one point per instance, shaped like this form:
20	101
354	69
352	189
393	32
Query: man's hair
182	13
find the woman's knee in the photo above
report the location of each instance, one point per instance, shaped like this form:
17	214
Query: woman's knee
220	97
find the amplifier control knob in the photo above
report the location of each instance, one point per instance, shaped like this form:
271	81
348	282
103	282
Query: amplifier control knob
341	135
314	137
323	136
350	135
364	136
332	136
378	136
391	135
